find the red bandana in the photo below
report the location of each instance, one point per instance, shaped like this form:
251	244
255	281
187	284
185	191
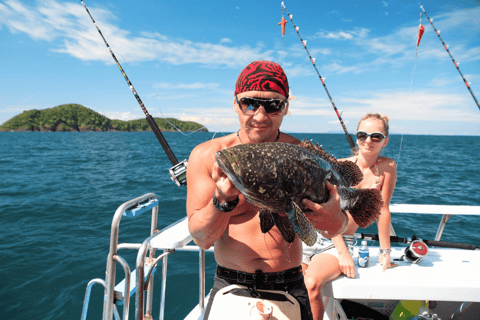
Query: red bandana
262	76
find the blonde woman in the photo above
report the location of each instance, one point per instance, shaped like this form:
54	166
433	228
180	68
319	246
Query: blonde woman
330	258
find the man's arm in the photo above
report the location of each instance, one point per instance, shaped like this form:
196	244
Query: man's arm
205	222
327	217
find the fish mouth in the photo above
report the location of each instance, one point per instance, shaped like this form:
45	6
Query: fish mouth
224	161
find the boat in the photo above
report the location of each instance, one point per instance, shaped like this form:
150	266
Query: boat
447	278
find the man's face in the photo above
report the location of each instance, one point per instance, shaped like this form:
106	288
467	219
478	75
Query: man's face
260	126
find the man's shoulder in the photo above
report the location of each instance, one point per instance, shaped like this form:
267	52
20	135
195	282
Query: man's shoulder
286	138
212	146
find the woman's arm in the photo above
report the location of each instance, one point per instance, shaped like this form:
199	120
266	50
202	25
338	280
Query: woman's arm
384	221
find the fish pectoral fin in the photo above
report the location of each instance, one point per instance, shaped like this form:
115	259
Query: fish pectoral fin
350	171
301	225
266	221
284	226
367	207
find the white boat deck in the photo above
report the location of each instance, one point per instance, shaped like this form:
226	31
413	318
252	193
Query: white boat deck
443	275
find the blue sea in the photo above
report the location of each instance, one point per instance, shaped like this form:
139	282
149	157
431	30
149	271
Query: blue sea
59	191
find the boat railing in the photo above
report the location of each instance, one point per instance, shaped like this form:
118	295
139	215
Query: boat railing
447	211
173	238
176	237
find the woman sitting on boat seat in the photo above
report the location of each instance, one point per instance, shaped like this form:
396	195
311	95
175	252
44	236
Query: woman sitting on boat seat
329	258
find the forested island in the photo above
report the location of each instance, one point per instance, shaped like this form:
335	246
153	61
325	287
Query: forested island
75	117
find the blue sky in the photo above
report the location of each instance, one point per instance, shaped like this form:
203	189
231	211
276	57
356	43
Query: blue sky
183	58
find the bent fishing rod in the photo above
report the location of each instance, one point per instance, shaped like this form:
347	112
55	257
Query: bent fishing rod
312	60
451	57
178	172
434	243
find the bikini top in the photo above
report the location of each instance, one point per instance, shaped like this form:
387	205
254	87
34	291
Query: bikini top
376	180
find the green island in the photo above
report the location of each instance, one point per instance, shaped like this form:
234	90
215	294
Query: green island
75	117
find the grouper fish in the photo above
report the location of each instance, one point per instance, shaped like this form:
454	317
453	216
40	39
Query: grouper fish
275	177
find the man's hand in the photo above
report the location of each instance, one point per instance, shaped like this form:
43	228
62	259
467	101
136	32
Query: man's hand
226	190
327	217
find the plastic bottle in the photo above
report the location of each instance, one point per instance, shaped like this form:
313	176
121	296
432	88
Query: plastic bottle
363	255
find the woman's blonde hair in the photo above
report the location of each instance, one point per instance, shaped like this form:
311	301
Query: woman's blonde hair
376	116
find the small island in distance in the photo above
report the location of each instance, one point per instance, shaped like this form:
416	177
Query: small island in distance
75	117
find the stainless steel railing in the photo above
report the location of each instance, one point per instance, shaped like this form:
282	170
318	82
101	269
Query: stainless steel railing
144	280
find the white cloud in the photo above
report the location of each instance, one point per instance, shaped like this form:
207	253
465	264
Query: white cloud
308	106
357	33
69	23
192	86
125	116
423	105
339	69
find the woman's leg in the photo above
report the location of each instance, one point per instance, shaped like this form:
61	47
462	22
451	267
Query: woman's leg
323	268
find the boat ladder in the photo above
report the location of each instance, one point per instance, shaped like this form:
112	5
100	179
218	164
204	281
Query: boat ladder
141	279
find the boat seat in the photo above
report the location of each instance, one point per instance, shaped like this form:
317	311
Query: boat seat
440	276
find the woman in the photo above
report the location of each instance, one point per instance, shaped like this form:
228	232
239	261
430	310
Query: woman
336	254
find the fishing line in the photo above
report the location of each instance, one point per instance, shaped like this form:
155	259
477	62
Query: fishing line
178	171
399	151
421	30
312	60
451	57
185	134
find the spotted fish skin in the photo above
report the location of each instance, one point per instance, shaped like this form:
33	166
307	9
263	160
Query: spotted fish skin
276	177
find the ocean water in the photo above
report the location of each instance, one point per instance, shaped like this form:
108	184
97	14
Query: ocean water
59	191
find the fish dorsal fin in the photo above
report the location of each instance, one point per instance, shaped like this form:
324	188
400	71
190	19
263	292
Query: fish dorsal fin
347	169
318	151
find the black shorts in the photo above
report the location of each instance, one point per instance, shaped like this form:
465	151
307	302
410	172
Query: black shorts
290	281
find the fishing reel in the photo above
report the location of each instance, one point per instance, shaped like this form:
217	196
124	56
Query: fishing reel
415	252
178	173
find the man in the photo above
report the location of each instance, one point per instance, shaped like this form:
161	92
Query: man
218	213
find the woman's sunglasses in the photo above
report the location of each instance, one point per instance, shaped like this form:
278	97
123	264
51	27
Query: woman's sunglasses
376	136
251	105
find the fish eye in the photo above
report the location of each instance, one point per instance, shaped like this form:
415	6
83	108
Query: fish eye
248	155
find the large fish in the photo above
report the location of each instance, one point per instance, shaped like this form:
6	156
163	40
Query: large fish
277	176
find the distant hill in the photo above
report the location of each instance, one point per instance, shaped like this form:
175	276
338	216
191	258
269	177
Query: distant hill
74	117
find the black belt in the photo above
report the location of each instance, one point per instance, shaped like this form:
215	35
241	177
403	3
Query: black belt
259	277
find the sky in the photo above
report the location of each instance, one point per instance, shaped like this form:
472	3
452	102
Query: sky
183	58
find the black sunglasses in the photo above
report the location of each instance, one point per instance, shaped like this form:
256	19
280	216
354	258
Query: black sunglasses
376	136
251	105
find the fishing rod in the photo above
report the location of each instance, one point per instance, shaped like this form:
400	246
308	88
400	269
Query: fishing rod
178	172
451	57
304	42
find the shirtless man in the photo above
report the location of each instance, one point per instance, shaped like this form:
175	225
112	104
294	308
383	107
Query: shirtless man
219	214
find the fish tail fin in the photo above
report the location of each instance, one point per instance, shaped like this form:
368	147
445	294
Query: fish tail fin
350	171
367	207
